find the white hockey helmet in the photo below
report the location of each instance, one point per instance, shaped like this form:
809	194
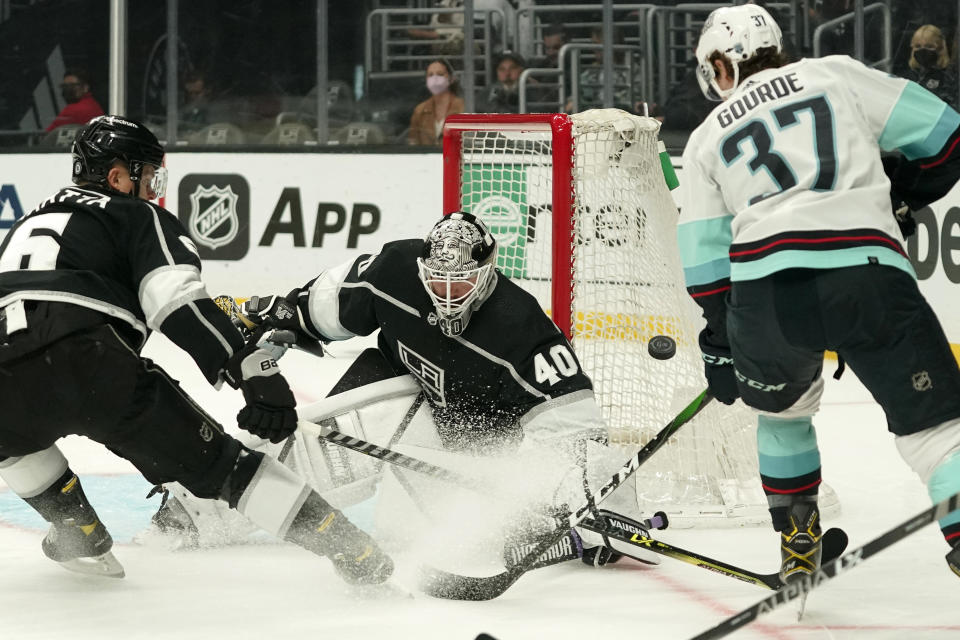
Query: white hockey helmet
736	32
457	269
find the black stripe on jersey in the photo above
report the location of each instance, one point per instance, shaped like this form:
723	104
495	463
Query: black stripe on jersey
717	287
805	485
825	240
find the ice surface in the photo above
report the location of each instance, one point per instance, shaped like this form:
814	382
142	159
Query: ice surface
279	591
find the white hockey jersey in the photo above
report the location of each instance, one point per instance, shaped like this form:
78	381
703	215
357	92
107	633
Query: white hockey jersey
787	172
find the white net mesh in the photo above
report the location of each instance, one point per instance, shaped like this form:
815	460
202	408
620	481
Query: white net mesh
626	285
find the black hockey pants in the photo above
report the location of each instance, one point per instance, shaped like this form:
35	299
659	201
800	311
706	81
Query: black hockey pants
92	383
873	316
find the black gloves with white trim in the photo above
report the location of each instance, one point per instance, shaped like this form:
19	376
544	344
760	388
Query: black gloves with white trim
270	410
283	316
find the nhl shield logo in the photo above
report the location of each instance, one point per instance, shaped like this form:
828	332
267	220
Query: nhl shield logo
213	216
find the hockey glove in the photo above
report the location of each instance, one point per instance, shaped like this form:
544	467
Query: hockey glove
721	379
269	412
283	316
903	215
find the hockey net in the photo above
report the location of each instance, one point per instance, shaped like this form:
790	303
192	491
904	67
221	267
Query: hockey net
609	274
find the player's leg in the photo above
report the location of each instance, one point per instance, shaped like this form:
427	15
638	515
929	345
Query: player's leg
76	539
904	359
168	437
778	363
356	406
33	467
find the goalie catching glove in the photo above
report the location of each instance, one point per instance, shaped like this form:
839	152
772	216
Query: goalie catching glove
270	410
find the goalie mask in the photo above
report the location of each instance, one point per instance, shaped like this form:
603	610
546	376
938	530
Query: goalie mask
108	139
738	33
456	269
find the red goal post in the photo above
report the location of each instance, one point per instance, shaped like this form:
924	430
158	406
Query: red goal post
560	128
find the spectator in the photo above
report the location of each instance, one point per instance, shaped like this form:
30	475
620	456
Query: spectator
445	30
426	124
686	107
504	96
195	112
81	105
930	64
554	37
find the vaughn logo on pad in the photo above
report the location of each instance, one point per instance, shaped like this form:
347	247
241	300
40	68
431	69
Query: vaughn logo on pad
215	209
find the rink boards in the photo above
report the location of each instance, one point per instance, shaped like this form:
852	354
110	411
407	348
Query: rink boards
265	222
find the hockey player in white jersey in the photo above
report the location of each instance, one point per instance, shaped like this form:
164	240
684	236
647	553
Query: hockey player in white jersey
492	371
790	247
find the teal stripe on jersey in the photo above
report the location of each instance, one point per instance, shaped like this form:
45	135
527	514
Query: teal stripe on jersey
919	123
939	135
797	258
787	448
707	273
944	482
704	241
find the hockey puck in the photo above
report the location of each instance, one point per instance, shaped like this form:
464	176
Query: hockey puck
662	347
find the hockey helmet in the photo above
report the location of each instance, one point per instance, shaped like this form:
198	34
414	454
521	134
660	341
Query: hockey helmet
457	269
106	139
738	33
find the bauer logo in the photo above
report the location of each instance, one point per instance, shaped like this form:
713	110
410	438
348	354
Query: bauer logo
215	209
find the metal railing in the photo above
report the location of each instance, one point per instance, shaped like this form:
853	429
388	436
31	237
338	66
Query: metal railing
627	76
390	51
886	62
528	27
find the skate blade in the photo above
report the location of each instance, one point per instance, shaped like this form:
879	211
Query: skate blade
801	606
105	565
387	589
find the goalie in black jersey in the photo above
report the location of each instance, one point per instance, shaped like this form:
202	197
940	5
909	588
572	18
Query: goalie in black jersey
488	370
84	279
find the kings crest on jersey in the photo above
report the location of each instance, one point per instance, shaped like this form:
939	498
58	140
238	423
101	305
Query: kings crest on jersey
499	379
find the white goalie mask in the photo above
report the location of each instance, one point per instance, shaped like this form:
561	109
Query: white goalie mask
457	270
736	32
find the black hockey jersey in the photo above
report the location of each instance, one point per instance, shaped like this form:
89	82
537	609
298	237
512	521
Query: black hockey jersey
509	372
127	259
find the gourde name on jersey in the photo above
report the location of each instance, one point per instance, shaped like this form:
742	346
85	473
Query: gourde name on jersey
482	384
787	172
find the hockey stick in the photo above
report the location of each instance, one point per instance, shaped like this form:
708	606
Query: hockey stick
834	543
443	584
834	540
832	569
328	433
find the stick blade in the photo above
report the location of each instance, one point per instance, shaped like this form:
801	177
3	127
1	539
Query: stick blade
450	586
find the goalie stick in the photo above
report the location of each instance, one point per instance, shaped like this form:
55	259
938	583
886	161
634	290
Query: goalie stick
832	569
443	584
834	540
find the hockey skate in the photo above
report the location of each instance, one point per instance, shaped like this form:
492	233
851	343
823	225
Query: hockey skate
354	554
800	544
83	548
324	530
953	559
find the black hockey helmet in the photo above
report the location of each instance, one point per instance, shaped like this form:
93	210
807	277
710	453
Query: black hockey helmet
106	139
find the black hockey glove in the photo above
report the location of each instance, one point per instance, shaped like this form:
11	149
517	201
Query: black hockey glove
903	215
718	368
269	412
283	316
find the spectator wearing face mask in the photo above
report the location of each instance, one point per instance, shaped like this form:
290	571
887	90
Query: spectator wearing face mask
426	124
81	105
930	64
